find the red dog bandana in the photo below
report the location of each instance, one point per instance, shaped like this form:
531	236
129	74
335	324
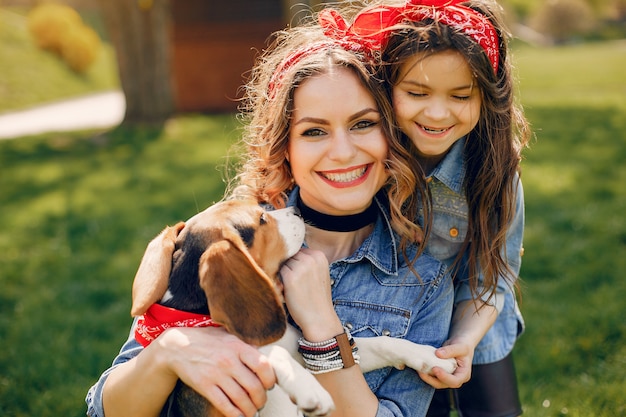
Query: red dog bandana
159	318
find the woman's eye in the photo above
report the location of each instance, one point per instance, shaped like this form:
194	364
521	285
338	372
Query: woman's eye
416	94
364	124
461	98
313	132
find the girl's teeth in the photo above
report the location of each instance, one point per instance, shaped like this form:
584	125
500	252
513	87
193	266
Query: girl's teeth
346	176
434	130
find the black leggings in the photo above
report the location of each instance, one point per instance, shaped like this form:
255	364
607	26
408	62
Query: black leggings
491	392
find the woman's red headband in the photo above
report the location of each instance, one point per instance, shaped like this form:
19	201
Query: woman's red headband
371	27
305	51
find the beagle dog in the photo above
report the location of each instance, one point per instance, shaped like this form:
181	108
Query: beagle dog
220	268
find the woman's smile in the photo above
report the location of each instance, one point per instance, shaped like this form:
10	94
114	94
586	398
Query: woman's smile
349	177
337	152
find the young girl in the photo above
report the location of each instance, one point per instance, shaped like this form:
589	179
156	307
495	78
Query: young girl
319	136
452	91
449	74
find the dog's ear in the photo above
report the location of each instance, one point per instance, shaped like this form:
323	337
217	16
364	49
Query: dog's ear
153	274
240	295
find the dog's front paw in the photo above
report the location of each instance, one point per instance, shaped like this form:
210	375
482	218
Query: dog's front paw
448	365
298	384
310	397
424	360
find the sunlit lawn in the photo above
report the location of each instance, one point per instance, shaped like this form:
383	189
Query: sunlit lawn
572	359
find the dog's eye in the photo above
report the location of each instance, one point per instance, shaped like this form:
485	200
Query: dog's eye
247	235
263	220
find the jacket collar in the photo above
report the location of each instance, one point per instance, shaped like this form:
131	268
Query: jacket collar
377	246
451	170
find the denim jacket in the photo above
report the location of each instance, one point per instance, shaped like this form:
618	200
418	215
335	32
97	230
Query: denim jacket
450	222
374	294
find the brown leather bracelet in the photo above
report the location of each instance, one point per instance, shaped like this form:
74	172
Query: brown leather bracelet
345	350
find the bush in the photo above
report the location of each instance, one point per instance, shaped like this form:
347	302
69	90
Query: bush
60	29
80	47
564	19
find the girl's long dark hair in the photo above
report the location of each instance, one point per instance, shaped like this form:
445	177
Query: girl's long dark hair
492	149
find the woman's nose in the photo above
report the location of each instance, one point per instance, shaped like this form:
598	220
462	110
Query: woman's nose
342	147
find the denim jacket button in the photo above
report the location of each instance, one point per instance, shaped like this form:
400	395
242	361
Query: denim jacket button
348	326
386	332
454	232
332	282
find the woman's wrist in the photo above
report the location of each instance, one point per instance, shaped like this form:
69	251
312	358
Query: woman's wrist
322	329
329	355
166	351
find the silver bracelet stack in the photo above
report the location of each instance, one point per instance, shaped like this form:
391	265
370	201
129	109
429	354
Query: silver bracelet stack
329	355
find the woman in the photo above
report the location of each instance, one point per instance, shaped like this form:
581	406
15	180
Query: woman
318	137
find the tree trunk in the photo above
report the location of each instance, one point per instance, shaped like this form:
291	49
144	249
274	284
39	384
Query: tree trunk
140	33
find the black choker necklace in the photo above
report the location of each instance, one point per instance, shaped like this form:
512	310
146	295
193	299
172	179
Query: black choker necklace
348	223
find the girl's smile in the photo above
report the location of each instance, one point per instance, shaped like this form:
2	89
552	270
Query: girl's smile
434	130
436	101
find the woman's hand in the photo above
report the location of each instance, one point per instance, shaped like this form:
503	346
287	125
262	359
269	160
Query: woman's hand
463	353
231	374
307	292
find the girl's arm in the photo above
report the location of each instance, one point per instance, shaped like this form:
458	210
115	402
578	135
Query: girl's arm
231	374
470	322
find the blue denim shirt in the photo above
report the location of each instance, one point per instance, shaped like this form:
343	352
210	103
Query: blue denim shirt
450	221
374	294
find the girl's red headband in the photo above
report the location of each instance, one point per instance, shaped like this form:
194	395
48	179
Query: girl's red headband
373	24
371	30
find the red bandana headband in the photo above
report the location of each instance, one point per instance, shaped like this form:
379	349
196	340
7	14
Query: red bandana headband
339	36
371	27
159	318
474	24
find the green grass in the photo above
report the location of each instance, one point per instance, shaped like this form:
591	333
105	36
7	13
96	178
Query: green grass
572	358
587	75
78	209
76	215
573	353
30	76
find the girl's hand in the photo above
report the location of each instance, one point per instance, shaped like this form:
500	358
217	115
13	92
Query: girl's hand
464	354
307	292
231	374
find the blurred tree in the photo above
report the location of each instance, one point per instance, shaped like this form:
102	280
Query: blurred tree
562	20
140	33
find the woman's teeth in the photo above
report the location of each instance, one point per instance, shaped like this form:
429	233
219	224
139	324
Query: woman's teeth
345	176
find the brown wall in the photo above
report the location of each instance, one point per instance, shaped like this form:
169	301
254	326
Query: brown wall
214	47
